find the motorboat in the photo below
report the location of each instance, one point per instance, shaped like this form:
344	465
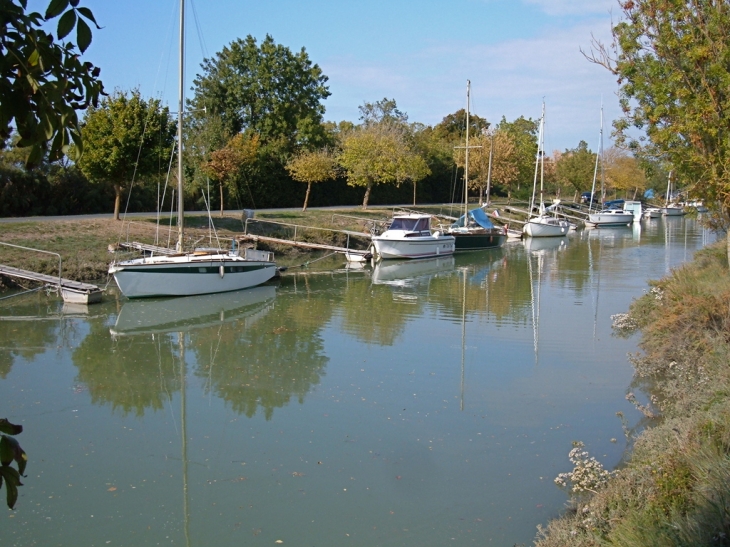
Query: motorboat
652	212
409	236
611	217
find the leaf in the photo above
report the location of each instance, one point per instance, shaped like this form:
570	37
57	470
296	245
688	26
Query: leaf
56	8
12	481
6	451
10	450
10	429
83	35
66	24
86	12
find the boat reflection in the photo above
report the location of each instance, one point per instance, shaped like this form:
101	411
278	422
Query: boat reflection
403	273
160	315
537	244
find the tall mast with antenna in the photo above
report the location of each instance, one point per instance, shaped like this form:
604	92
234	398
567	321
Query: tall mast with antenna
181	106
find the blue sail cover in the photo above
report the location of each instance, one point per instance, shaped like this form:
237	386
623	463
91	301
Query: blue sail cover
478	216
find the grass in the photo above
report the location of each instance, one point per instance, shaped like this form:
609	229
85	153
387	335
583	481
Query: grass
675	489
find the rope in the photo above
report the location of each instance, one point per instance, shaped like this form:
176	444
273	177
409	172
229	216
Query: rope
305	264
24	292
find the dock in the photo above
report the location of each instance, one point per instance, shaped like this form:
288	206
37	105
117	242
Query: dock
72	291
306	245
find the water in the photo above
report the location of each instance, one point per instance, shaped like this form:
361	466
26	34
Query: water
422	403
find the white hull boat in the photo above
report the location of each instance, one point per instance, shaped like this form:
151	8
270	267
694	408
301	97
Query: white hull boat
652	212
611	217
409	236
545	226
672	211
187	274
192	274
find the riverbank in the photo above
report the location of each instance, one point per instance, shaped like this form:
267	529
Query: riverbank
674	490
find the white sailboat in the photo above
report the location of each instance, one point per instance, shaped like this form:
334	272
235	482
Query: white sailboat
611	216
543	225
187	274
671	209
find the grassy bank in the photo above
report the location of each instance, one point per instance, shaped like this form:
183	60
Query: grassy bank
675	489
84	244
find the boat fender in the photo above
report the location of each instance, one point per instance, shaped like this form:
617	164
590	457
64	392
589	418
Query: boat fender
505	228
282	268
221	270
436	234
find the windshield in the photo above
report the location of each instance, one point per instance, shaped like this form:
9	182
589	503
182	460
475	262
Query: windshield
410	224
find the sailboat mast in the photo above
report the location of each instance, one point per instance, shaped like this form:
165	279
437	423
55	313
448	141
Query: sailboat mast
181	105
537	165
595	170
466	160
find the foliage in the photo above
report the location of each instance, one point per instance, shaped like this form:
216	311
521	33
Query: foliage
452	127
524	136
588	475
624	173
10	451
576	167
266	89
43	81
380	153
313	167
504	161
239	154
128	137
671	59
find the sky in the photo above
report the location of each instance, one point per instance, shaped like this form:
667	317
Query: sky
516	53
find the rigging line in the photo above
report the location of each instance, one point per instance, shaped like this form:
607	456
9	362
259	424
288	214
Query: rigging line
164	193
170	26
210	219
201	40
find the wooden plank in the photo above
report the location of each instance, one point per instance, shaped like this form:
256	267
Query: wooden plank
85	291
303	244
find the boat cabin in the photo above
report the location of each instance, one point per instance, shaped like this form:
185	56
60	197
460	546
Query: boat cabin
414	225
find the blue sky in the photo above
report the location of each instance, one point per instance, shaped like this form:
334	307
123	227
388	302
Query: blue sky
515	52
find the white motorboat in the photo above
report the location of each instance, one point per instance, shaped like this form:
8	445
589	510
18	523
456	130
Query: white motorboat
543	225
409	236
187	274
652	212
611	217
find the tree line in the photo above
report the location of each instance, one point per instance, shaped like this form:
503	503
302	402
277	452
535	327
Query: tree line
255	137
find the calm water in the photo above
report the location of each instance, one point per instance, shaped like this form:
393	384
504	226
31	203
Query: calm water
421	403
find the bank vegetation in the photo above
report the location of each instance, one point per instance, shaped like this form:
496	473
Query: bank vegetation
674	488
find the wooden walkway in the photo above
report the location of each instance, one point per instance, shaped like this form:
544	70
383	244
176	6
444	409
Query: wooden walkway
307	244
72	291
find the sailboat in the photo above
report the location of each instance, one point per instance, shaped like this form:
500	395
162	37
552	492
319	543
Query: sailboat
474	231
671	209
610	216
543	225
197	272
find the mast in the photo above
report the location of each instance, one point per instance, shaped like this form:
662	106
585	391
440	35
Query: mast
669	188
466	160
537	165
595	170
181	105
489	169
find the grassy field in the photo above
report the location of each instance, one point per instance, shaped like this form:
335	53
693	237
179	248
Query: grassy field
84	245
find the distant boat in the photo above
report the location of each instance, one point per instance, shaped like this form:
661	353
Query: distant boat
193	273
652	212
409	236
543	225
671	209
474	231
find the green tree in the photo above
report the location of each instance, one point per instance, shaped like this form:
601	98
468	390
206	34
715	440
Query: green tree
524	135
127	137
575	167
266	89
624	172
671	60
380	153
43	81
312	167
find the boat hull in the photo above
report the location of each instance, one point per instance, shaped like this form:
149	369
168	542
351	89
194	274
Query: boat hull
476	241
546	227
672	211
413	247
611	219
189	275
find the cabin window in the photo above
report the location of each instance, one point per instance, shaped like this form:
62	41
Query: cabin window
406	224
421	225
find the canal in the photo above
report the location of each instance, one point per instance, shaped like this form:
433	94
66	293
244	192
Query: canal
408	404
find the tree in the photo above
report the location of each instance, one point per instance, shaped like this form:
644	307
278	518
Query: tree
228	162
624	172
576	167
670	58
127	137
453	126
312	167
378	154
266	89
42	81
524	135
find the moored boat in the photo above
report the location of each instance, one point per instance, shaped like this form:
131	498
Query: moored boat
409	236
610	217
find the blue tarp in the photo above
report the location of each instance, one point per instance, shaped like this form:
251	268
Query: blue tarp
649	194
478	216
